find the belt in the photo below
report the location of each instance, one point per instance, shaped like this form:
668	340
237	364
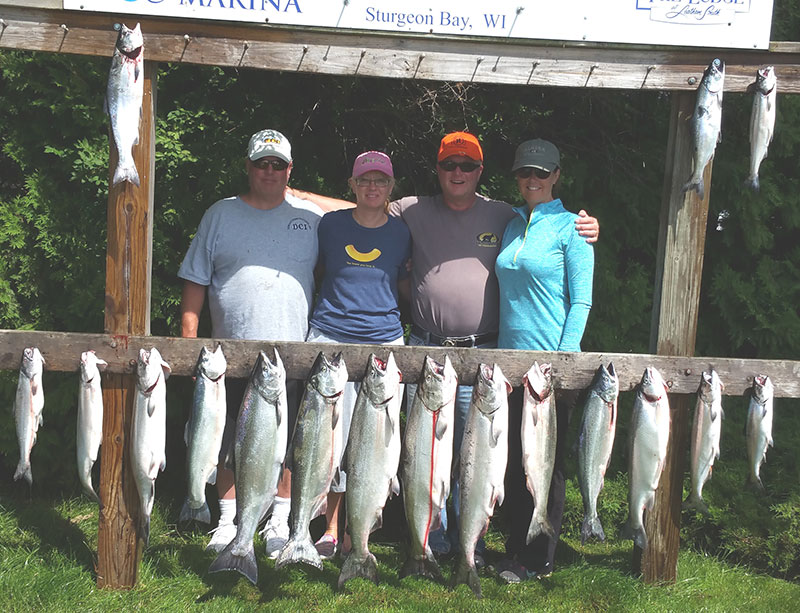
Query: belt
473	340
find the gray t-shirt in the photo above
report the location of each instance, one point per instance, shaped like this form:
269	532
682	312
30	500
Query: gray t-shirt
258	266
454	289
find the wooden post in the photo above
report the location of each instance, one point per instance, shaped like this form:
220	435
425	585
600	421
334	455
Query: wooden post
681	245
128	276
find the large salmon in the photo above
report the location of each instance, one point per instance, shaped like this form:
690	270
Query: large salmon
426	462
371	460
28	406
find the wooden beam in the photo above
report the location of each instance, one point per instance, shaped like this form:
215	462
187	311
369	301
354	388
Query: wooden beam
128	266
572	370
681	247
417	56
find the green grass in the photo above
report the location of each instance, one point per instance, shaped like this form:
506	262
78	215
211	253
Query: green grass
48	554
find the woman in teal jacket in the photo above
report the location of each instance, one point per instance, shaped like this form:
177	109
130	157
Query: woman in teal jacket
545	272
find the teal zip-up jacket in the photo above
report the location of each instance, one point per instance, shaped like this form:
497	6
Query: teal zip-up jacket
545	270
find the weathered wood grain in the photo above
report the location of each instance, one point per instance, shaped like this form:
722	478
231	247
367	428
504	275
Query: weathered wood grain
572	370
128	270
418	56
679	273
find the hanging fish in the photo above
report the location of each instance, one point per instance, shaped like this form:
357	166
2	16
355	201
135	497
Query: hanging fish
706	121
90	419
762	121
28	405
124	100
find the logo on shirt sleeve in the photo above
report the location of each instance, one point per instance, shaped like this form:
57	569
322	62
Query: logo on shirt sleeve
358	256
488	239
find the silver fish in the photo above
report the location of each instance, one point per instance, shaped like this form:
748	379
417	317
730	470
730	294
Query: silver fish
149	431
539	444
261	432
759	427
649	434
706	121
90	419
426	462
596	440
481	466
28	405
371	461
124	99
314	456
706	431
203	433
762	121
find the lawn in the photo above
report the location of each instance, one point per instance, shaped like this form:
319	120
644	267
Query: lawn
48	553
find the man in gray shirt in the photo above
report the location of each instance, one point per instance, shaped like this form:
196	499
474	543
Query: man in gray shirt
254	254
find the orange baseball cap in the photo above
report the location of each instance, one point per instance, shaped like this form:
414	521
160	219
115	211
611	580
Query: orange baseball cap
460	143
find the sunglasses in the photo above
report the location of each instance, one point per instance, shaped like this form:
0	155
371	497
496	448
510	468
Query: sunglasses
364	182
539	173
264	163
464	166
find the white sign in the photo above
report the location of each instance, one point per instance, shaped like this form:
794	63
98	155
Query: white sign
695	23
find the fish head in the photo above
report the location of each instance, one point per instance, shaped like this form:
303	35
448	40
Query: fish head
269	377
606	383
150	367
491	386
652	386
711	387
91	366
438	384
130	42
714	75
211	364
328	376
381	380
762	388
766	80
538	381
32	362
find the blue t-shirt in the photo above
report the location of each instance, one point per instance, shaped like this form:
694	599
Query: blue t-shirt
545	270
358	296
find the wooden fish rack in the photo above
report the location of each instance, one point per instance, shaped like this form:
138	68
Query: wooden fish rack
42	25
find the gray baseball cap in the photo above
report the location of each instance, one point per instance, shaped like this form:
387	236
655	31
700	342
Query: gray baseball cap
537	153
269	143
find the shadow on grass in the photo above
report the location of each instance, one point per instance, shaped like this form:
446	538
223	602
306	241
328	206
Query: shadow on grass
53	532
617	559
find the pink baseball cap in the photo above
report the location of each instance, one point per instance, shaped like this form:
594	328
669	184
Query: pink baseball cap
372	160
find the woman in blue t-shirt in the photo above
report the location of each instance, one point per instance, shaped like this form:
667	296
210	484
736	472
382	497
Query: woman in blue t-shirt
363	253
545	272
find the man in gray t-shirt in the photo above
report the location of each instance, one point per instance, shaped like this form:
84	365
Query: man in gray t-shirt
254	255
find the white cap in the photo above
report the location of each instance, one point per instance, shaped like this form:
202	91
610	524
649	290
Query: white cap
269	143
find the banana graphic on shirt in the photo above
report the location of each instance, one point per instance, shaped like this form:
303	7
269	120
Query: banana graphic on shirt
354	253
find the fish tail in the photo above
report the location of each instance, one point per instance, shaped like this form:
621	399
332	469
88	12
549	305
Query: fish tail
752	183
592	527
24	470
695	502
637	535
299	550
467	574
697	185
201	514
427	567
355	566
755	484
539	526
126	172
144	528
244	564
